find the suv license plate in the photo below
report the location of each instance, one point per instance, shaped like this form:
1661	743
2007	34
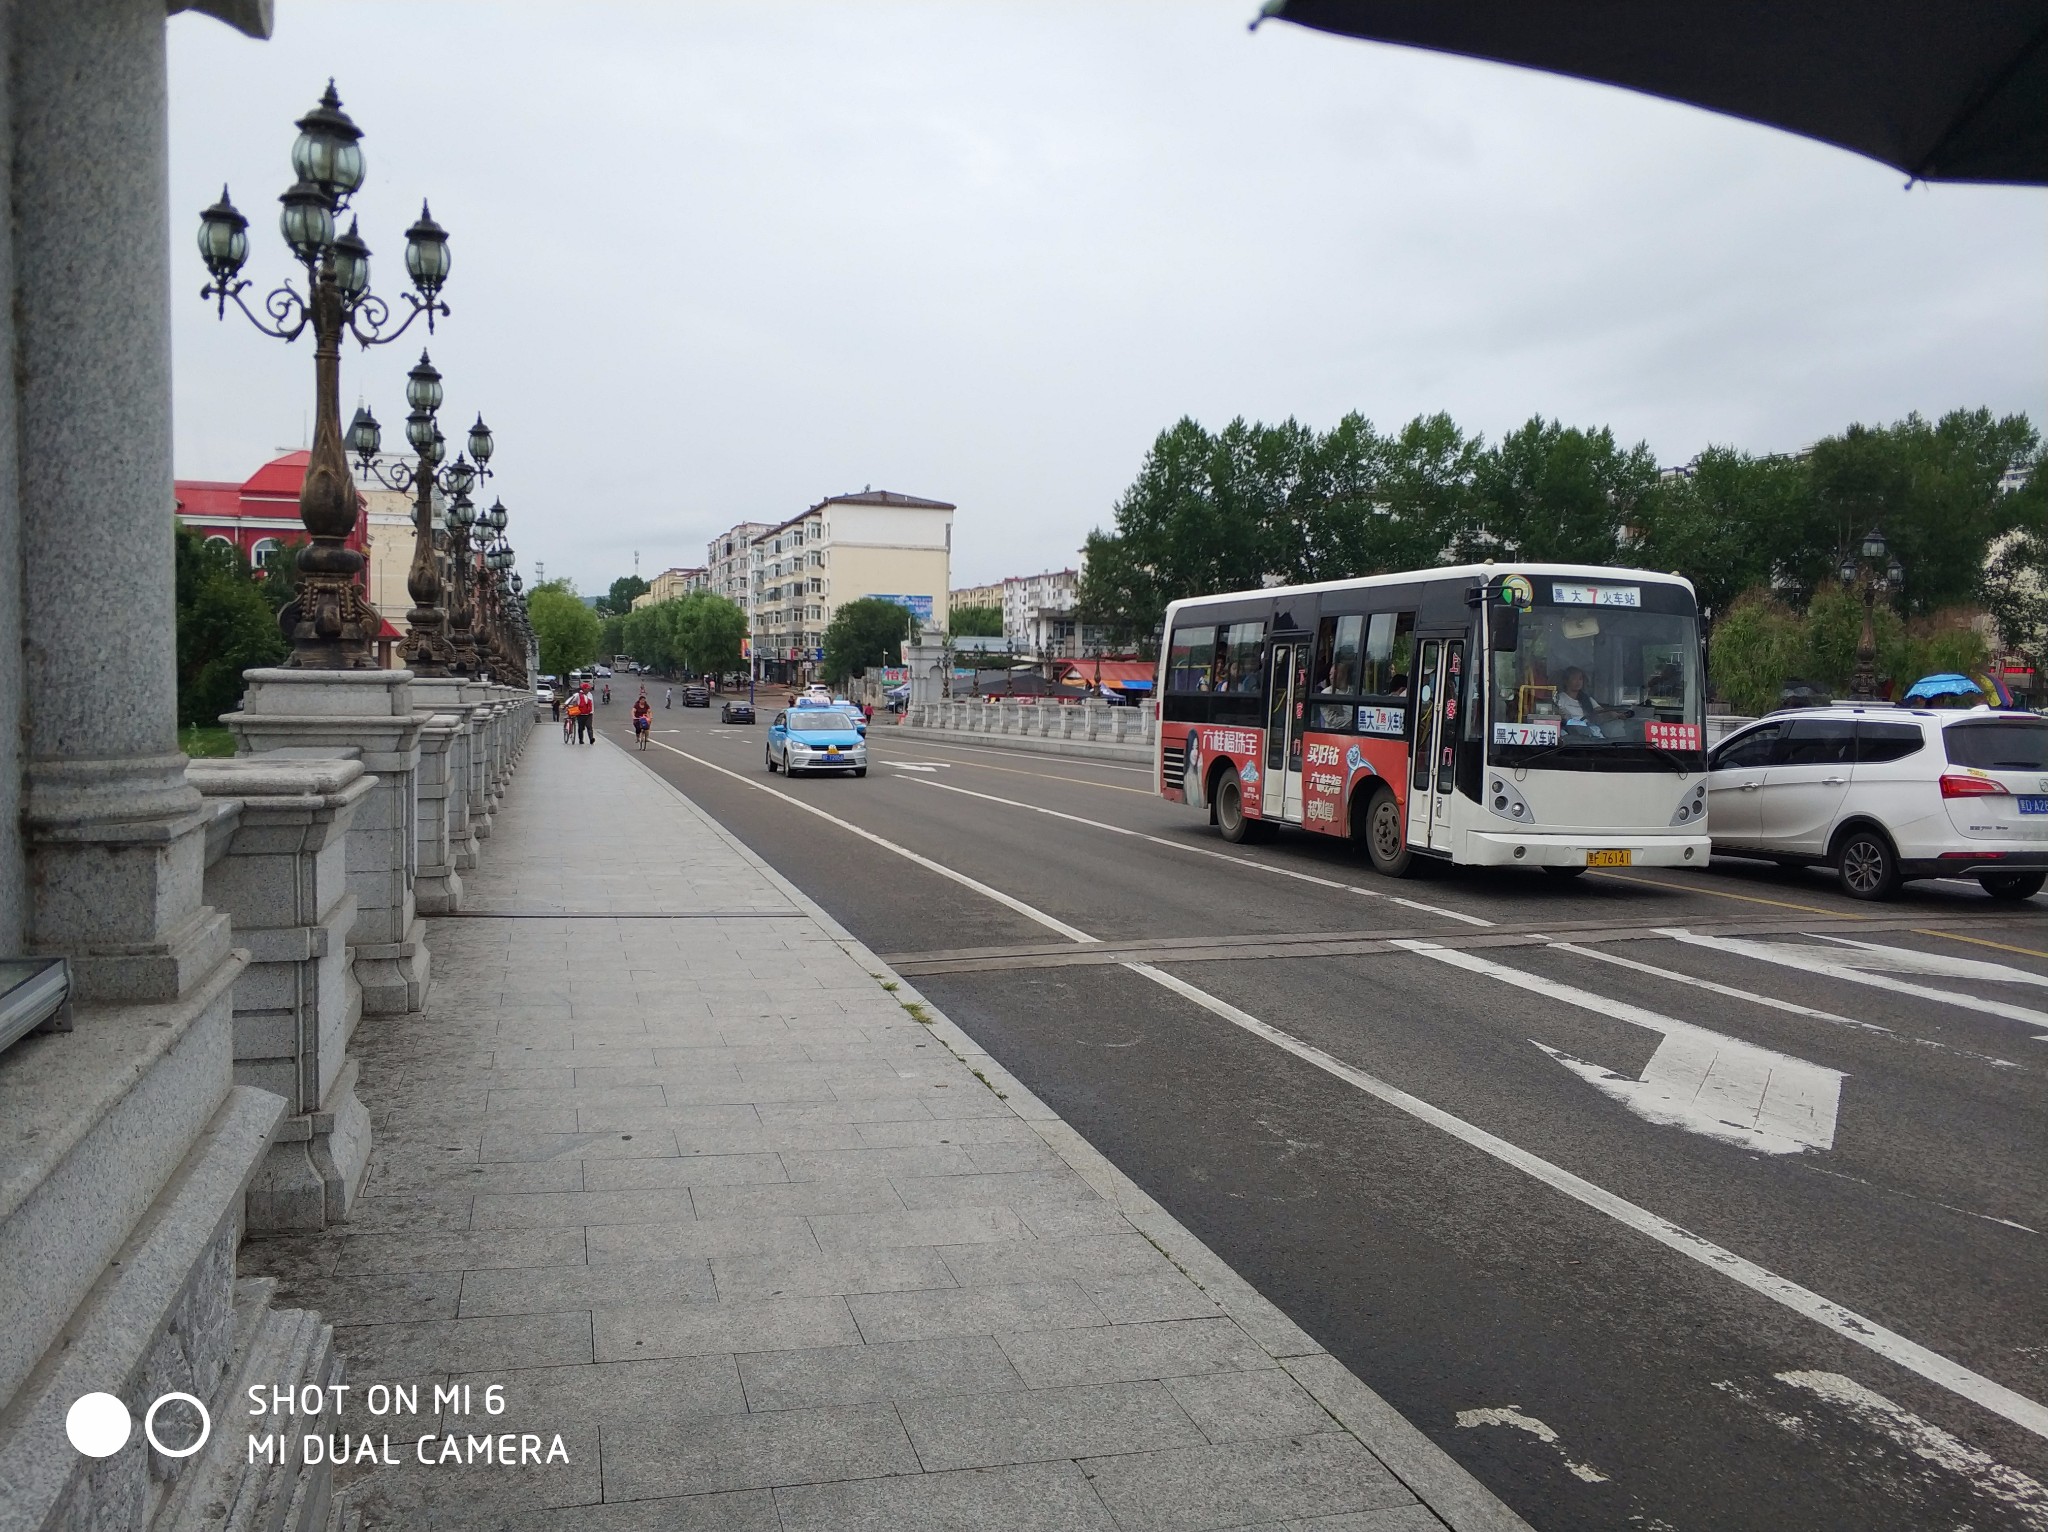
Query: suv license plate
1610	858
2034	805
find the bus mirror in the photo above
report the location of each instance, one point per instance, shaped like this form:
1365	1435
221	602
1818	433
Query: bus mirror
1506	627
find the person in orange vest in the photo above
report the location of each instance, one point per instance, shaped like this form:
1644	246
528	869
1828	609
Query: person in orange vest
586	722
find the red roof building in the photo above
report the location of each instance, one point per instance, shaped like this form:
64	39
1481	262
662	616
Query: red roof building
259	514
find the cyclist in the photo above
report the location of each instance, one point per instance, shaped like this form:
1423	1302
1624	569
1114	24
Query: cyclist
643	718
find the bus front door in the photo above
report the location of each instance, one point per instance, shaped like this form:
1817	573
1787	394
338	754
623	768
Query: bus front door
1286	715
1432	768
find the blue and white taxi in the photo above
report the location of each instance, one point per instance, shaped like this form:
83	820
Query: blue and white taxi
816	739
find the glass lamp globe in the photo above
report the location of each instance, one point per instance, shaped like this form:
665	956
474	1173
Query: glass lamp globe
426	254
1874	546
328	152
365	436
480	444
352	262
419	430
223	238
306	221
423	386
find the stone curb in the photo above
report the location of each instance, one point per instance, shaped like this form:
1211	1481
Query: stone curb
1429	1473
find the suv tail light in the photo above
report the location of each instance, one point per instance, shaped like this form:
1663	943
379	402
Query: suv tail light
1955	786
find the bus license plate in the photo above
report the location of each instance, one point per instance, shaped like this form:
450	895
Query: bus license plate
2034	805
1609	858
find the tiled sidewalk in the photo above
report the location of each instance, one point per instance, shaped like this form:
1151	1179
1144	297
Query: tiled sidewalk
771	1245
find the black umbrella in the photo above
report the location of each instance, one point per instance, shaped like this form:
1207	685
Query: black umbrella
1945	90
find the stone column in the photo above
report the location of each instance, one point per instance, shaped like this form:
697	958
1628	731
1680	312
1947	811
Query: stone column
125	1145
282	877
331	712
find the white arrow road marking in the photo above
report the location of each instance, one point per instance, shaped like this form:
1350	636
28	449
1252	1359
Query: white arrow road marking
1868	963
919	765
1702	1081
2007	1403
1511	1415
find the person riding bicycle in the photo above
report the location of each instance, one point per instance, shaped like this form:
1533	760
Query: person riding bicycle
643	718
607	694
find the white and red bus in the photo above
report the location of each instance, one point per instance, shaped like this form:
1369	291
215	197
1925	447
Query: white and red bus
1529	715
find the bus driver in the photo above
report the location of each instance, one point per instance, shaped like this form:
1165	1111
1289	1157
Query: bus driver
1576	705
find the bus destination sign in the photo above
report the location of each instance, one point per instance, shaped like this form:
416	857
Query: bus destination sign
1597	595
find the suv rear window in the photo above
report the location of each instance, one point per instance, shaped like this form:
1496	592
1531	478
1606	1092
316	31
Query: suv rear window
1999	744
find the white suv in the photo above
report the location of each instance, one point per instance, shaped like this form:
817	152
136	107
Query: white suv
1883	794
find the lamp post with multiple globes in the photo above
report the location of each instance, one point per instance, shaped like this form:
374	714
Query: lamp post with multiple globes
1871	568
331	624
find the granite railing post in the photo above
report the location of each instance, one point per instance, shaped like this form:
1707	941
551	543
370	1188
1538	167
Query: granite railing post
437	885
327	712
282	877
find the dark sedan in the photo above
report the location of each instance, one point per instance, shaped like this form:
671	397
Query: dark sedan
696	695
736	712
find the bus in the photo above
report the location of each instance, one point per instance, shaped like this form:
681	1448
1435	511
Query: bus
1527	715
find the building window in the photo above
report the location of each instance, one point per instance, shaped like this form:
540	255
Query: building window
262	549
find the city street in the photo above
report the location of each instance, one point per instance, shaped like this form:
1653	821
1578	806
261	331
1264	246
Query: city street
1657	1199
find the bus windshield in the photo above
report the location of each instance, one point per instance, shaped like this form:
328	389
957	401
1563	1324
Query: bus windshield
1597	679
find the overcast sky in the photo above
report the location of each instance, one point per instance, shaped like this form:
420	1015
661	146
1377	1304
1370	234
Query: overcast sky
715	261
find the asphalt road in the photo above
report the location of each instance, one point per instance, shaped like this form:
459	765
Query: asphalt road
1658	1199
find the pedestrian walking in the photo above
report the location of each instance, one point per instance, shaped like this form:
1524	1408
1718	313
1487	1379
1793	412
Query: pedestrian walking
668	696
586	724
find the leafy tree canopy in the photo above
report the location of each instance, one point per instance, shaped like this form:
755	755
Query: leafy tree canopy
863	634
975	622
619	599
568	630
225	625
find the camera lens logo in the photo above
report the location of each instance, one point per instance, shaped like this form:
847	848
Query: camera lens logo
99	1425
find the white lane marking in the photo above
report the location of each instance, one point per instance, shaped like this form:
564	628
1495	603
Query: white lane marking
1051	923
919	765
1221	856
1702	1081
1790	1007
1925	1440
1511	1415
1943	965
1889	1344
1830	963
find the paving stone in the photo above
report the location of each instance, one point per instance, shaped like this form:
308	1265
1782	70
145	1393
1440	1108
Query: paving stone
1016	1306
1132	1353
1144	1296
382	1299
1071	1220
799	1274
777	1324
377	1352
546	1210
1400	1518
925	1129
705	1237
540	1290
512	1144
610	1393
910	1160
756	1451
1023	1188
1031	1426
1250	1406
742	1511
858	1194
1037	1497
683	1171
365	1253
471	1497
961	1364
935	1226
1087	1259
391	1175
413	1213
289	1257
1189	1489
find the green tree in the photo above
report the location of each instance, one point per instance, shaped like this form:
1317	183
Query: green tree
649	637
567	629
863	634
618	601
707	631
976	622
1729	526
224	627
1553	492
1759	644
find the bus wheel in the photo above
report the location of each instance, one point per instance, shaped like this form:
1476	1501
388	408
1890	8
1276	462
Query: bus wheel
1567	872
1386	837
1230	821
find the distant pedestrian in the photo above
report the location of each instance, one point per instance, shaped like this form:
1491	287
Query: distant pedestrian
586	725
668	696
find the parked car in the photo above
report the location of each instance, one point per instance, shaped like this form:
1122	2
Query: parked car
815	739
1886	794
739	710
696	694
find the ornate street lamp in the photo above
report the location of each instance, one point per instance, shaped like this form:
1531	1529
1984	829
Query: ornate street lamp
1869	567
430	648
331	623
